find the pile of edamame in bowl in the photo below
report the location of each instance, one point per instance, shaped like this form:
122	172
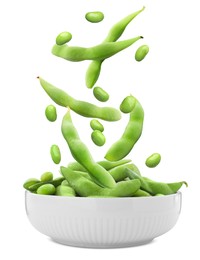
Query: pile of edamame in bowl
116	175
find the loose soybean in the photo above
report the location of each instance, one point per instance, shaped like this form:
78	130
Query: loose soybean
98	138
63	38
51	113
94	17
55	153
141	52
96	125
153	160
47	176
127	104
100	94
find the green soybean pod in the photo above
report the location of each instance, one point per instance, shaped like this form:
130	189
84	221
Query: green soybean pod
51	113
46	189
141	52
100	94
96	125
128	104
28	183
94	17
63	38
55	154
46	176
98	138
153	160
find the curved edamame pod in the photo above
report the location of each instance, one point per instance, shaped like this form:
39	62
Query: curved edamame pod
119	173
132	133
82	108
75	166
114	34
98	52
82	155
85	187
154	187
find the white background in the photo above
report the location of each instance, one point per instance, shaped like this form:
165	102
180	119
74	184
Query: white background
166	83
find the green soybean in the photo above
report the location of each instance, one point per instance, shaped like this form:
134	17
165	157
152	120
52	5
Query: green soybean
51	113
98	138
28	183
141	52
114	34
119	173
98	52
96	125
84	187
47	176
154	187
46	189
141	193
80	107
75	166
94	17
64	190
100	94
153	160
132	133
63	38
127	104
55	154
82	155
56	182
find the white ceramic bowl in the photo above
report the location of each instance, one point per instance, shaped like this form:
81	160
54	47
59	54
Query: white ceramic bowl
102	222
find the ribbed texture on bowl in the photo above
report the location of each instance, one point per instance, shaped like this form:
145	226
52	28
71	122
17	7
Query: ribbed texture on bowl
102	223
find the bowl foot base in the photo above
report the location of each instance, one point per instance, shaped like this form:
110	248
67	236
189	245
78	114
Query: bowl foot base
101	246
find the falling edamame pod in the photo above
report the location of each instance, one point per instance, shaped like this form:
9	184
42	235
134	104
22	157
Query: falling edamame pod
100	94
114	34
51	113
153	160
141	52
63	38
154	187
94	17
99	52
82	108
82	155
132	133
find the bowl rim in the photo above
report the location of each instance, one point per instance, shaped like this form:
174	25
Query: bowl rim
102	198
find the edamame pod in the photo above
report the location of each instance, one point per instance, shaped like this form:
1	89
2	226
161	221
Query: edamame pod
28	183
98	138
153	160
128	104
96	125
99	52
47	176
141	52
94	17
100	94
132	133
51	113
55	153
114	34
75	166
80	107
63	38
82	155
46	189
154	187
56	182
85	187
119	173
